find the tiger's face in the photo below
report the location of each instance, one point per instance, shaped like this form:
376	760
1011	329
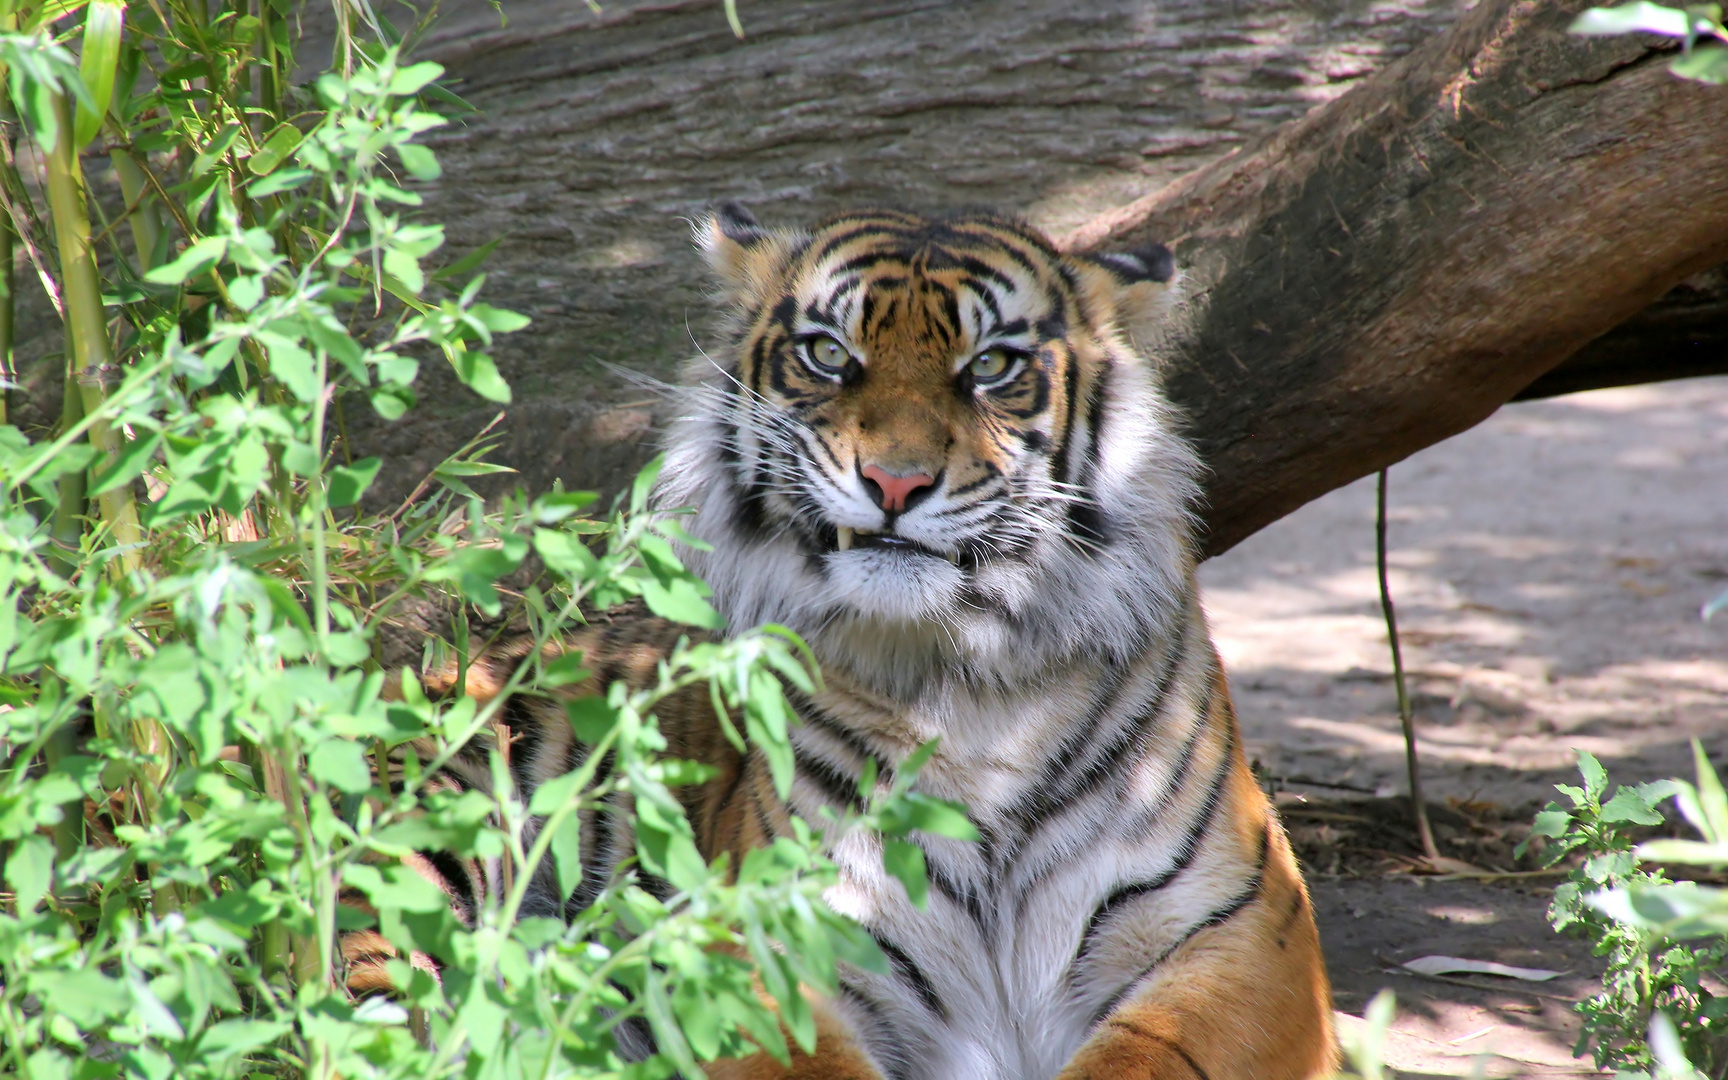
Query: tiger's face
931	425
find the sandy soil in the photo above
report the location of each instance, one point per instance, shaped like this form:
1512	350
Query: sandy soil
1548	568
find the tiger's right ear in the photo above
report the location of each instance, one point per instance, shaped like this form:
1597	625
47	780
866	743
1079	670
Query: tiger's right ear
740	251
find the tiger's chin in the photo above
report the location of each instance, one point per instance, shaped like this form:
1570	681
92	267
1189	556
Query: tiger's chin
893	582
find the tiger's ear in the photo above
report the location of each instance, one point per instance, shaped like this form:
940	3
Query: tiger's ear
1136	288
740	251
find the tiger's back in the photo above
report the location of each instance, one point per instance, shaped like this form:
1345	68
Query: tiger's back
933	447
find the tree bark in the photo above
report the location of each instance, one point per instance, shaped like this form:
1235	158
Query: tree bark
1384	257
1681	336
1391	268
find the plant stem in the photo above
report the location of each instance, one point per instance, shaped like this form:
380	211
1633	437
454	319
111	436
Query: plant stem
275	947
1417	805
68	528
146	220
69	833
119	509
89	359
8	239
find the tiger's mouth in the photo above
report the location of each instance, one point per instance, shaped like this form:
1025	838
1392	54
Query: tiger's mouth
846	539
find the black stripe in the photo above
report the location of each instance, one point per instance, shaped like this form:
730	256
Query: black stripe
1085	516
1222	915
1053	790
1065	437
1185	854
961	896
458	881
834	784
910	973
822	720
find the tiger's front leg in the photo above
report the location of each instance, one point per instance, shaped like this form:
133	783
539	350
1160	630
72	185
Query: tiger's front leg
1246	999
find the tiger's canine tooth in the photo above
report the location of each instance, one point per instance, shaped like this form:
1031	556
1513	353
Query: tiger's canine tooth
843	538
952	556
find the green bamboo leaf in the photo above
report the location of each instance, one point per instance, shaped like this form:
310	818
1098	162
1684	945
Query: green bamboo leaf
194	260
99	59
282	141
133	459
467	262
37	70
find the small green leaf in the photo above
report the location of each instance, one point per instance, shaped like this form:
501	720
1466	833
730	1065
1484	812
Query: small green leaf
133	459
1628	805
1704	63
680	602
84	994
566	850
410	79
341	764
349	482
29	869
1595	776
939	816
283	140
1628	18
420	162
480	374
1552	823
468	262
906	862
194	260
278	182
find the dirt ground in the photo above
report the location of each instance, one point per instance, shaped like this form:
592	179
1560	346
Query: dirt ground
1548	568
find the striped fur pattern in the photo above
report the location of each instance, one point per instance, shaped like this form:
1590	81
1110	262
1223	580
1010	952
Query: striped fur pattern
934	448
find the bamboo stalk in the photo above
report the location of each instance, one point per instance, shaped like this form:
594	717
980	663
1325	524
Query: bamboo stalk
146	217
89	358
68	528
8	242
275	948
119	509
7	370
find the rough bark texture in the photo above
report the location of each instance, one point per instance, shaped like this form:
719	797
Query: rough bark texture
598	137
1390	269
1682	335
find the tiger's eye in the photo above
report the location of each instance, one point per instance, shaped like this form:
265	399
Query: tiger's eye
989	365
826	353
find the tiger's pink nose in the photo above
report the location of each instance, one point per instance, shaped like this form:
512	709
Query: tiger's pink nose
895	489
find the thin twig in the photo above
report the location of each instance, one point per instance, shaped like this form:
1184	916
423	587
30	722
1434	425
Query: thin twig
1420	808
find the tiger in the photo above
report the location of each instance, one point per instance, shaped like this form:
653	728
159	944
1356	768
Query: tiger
937	448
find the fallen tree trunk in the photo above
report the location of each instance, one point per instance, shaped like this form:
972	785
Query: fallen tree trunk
1391	268
1682	335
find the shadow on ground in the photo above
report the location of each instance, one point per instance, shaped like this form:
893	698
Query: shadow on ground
1548	568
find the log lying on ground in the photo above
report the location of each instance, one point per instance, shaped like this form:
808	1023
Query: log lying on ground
1391	268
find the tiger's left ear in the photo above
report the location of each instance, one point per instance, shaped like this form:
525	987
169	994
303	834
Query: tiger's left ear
1134	288
743	254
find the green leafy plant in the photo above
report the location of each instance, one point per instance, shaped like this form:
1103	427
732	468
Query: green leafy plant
1658	963
200	750
1699	28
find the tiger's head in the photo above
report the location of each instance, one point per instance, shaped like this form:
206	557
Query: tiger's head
931	446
